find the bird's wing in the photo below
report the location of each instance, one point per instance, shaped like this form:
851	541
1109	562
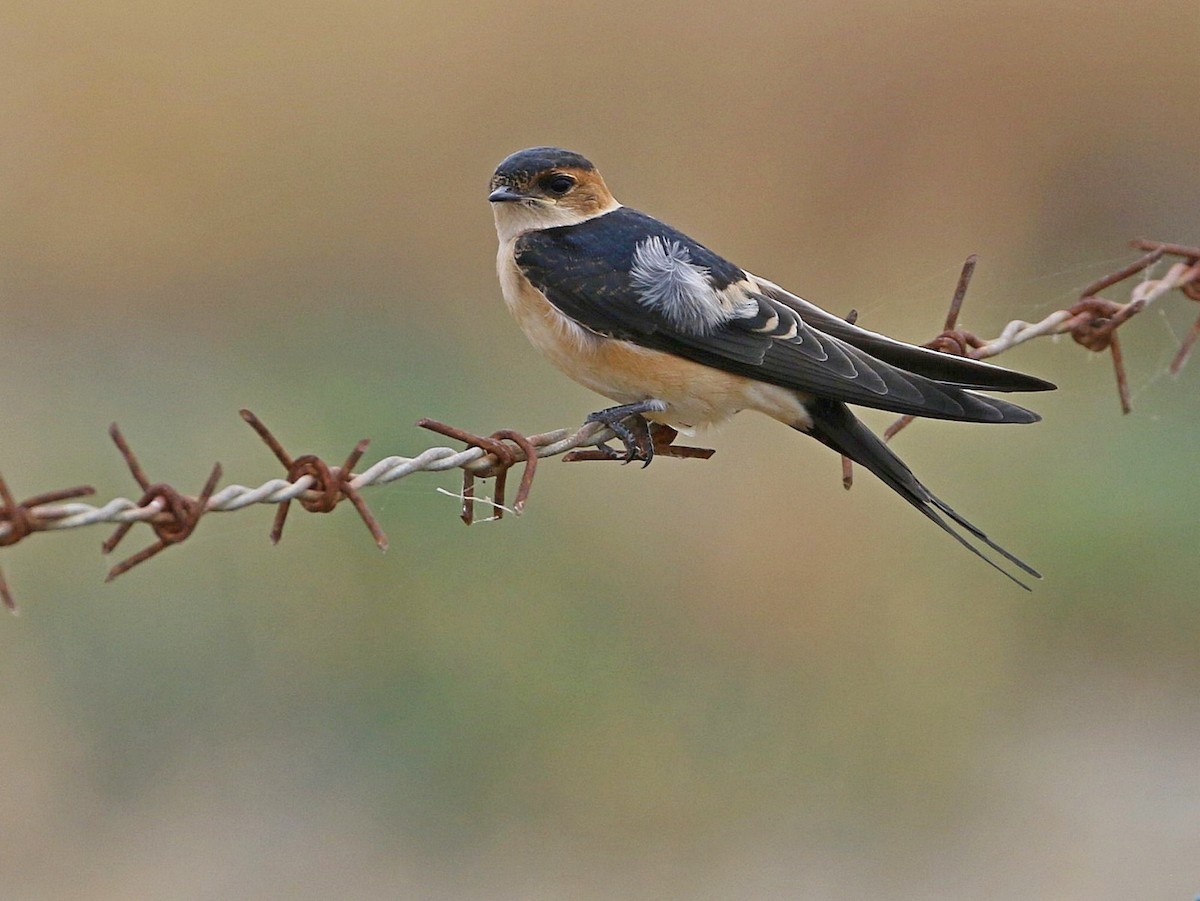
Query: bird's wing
626	275
961	371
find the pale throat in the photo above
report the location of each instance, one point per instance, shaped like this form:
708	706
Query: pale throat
515	219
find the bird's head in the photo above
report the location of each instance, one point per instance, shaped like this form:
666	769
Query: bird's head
546	187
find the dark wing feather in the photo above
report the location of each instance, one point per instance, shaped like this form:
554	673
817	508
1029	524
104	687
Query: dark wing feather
961	371
836	427
584	271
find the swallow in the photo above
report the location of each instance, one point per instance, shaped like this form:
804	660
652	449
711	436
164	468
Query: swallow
641	313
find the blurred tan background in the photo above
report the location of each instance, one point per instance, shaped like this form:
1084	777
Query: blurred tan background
701	681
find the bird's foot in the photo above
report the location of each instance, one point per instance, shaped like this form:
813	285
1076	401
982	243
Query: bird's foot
643	440
630	426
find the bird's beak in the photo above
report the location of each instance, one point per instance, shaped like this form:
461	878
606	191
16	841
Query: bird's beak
504	194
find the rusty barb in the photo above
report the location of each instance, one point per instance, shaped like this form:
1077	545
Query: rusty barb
181	513
500	457
30	515
1092	321
328	484
319	486
499	460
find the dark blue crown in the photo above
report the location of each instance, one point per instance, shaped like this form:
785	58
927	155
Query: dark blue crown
525	163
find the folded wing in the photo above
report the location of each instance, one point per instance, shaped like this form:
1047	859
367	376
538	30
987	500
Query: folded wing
961	371
626	275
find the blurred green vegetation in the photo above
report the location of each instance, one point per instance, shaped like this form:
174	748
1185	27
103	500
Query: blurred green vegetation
728	679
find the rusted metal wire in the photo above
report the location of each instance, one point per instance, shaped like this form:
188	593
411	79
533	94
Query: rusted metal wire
504	459
19	520
317	485
1092	322
328	486
660	439
181	513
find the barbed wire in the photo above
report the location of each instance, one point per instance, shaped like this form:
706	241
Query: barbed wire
319	487
1092	321
316	485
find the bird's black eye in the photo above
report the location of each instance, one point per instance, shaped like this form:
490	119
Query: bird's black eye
558	184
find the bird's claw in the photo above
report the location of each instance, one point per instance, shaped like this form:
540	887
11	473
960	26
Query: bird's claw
632	429
643	439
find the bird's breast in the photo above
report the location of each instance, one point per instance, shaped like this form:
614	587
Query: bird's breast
557	336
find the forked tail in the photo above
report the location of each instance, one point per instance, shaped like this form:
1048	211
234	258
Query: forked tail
835	426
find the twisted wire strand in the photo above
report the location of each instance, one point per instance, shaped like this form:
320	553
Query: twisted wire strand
1060	322
120	510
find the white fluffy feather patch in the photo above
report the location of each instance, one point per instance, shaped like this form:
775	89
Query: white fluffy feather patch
668	281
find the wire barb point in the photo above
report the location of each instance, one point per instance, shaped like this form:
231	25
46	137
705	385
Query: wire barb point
22	519
499	460
327	485
181	513
1092	321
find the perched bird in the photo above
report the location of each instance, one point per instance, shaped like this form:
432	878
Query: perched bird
645	315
